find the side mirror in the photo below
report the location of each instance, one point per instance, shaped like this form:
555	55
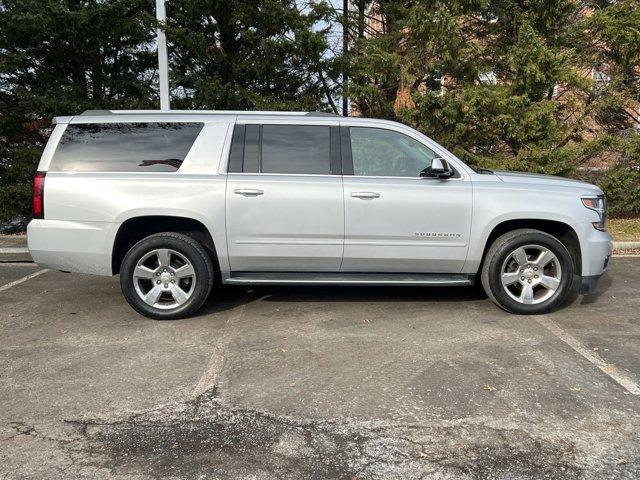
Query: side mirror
439	168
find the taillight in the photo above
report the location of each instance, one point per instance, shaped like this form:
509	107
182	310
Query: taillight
38	195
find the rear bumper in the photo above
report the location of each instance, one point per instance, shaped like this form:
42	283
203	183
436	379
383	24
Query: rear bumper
71	246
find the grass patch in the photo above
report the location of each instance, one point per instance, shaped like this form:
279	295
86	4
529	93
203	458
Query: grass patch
624	229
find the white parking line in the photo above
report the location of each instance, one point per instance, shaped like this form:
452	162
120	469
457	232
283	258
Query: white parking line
22	280
622	378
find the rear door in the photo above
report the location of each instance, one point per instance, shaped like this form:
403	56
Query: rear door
396	220
284	205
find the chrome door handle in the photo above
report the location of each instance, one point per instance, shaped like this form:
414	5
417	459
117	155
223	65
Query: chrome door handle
248	192
365	195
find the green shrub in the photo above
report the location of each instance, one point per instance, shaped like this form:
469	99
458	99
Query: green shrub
622	187
15	200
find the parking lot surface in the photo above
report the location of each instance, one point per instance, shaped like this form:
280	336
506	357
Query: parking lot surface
311	382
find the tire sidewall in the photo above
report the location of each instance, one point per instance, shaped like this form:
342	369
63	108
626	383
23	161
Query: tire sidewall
506	248
202	270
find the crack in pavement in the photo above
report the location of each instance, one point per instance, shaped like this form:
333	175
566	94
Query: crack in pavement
209	377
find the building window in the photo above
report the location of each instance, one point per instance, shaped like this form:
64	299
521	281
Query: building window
600	75
488	78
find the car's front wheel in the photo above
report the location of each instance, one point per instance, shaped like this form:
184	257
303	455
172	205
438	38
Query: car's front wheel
527	271
166	276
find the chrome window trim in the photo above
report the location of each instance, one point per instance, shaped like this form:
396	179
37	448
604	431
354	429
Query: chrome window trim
343	176
409	178
285	174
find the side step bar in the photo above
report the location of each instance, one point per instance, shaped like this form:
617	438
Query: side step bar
345	278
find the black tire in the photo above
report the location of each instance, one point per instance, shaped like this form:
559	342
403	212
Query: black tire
500	251
184	246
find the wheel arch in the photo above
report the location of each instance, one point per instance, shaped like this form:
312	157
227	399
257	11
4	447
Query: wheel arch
560	230
136	228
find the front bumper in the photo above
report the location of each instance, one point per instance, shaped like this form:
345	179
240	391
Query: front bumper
588	284
597	248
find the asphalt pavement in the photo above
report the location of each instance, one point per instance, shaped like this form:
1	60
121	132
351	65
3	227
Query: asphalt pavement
309	382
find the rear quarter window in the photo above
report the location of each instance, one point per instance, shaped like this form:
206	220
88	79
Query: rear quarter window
124	147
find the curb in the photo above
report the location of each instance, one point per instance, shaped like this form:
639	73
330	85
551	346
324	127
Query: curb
15	255
626	245
13	248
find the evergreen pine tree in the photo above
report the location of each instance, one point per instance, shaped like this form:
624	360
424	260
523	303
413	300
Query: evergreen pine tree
502	83
60	57
258	55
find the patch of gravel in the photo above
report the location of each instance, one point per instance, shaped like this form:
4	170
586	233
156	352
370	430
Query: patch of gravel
204	439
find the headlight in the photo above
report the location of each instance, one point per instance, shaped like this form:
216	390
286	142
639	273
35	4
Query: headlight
599	205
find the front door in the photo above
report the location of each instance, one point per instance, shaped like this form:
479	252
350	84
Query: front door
284	203
395	220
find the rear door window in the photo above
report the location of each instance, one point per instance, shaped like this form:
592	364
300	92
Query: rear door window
124	147
286	149
296	149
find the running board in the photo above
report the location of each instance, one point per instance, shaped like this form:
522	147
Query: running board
320	278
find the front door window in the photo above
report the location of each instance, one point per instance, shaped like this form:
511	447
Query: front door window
384	153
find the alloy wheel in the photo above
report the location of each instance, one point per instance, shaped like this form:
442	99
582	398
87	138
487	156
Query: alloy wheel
164	278
531	274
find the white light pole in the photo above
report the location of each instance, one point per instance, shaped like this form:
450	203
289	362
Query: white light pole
345	52
163	63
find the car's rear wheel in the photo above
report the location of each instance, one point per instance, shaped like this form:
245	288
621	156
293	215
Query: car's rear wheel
527	272
166	276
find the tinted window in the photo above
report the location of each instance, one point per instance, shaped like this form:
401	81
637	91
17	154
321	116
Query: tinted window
384	153
237	149
124	147
296	149
252	149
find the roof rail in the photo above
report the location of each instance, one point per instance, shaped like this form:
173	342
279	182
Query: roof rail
96	112
199	112
322	114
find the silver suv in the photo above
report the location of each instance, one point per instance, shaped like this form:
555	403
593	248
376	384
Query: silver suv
178	202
